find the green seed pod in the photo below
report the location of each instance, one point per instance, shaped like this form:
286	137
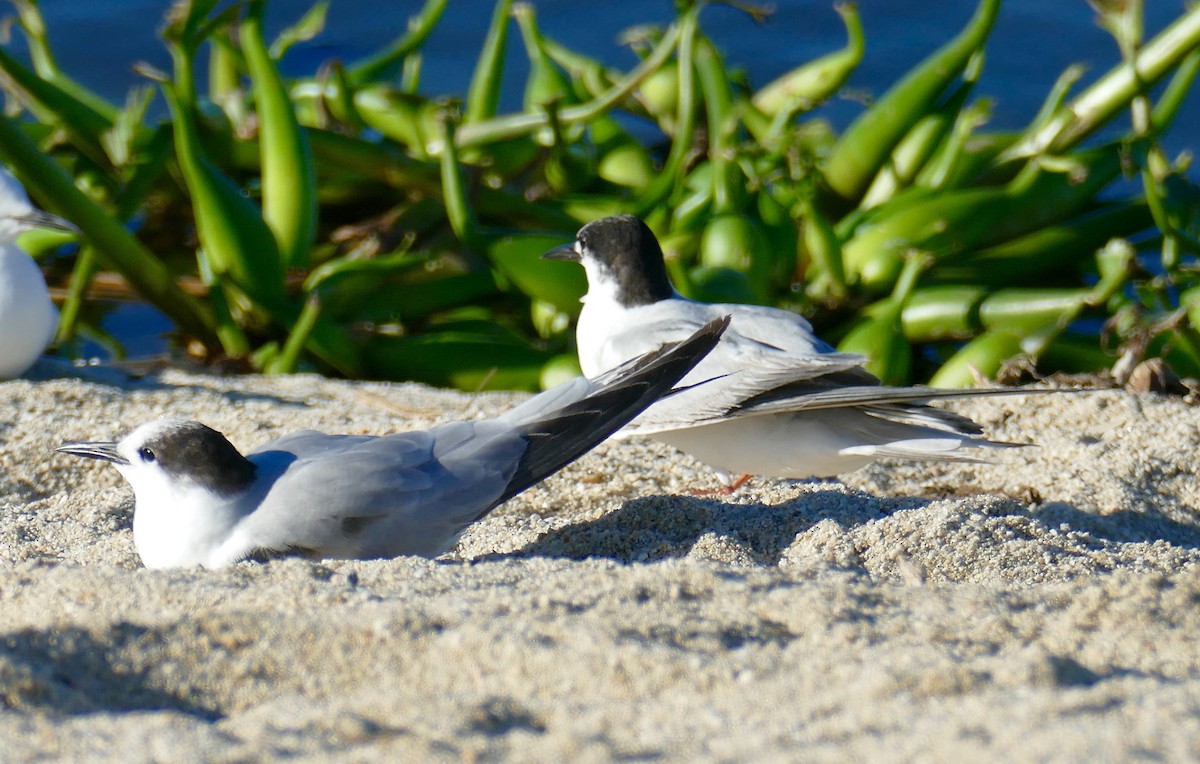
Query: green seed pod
810	84
623	160
826	277
584	208
942	313
410	120
547	84
231	229
1111	94
483	96
914	151
1041	254
956	222
1032	312
659	92
717	284
519	258
684	125
734	241
224	73
982	356
289	179
866	144
880	338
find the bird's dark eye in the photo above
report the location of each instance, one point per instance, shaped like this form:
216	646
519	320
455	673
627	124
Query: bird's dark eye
146	455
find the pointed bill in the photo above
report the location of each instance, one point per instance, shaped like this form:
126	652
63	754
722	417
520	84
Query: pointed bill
105	450
41	219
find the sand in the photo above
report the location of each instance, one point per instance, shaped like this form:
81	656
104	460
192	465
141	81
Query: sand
1042	607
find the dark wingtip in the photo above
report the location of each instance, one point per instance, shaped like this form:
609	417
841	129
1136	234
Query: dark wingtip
700	344
566	434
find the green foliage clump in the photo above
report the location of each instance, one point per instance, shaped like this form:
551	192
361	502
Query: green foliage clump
349	222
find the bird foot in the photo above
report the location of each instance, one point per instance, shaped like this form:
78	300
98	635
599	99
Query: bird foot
725	490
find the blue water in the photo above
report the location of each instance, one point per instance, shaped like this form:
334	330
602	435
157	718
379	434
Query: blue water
1034	40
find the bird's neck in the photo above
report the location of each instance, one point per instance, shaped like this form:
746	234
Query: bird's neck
180	525
621	284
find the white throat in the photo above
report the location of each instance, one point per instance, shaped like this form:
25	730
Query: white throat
601	314
178	524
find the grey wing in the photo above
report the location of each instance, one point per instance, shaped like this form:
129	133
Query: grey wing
764	350
725	395
871	398
753	330
360	497
901	405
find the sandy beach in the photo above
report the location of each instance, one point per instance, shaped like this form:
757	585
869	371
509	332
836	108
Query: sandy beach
1045	606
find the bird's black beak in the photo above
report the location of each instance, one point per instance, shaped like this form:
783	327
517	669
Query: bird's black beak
42	219
565	252
94	450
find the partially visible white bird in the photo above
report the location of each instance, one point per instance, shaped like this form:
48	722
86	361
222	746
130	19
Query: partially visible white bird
28	319
784	404
201	502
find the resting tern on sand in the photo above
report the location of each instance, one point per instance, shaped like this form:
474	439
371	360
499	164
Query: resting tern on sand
198	501
784	403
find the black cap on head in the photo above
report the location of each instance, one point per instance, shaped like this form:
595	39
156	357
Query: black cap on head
626	248
192	451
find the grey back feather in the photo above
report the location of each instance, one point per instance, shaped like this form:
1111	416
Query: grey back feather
415	492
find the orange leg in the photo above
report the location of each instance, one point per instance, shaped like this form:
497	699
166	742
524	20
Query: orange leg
738	483
723	490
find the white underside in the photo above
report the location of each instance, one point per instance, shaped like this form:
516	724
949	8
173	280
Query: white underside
28	318
792	446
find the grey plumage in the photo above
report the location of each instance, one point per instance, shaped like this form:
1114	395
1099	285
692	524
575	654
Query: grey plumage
784	404
361	496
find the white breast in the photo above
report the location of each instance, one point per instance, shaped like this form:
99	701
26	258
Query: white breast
177	524
27	317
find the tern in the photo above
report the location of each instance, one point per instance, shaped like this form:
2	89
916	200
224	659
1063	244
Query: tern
783	402
199	501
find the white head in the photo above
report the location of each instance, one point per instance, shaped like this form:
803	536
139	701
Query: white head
17	214
186	479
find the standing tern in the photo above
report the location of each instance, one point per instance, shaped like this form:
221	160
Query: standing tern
784	403
28	319
198	501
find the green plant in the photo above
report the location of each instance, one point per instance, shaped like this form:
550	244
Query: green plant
351	223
